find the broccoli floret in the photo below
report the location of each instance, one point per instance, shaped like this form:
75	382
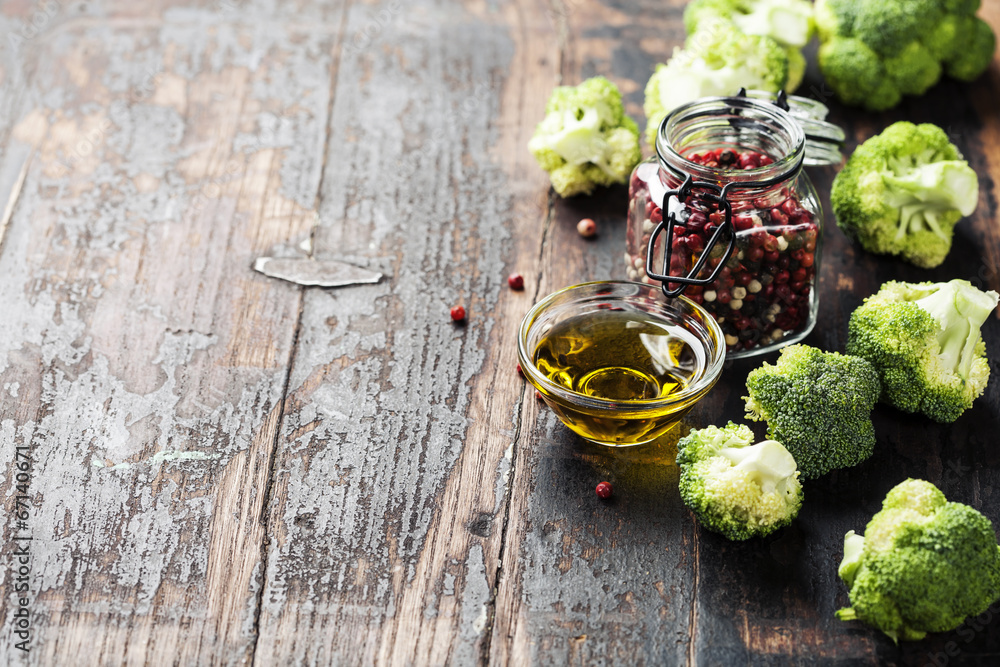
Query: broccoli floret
902	192
857	75
913	69
585	139
975	53
818	405
924	341
796	68
889	25
873	53
737	488
788	22
717	60
923	565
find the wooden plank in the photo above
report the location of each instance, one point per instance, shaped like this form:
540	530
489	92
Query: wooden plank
393	469
956	457
585	582
421	506
571	563
143	362
772	602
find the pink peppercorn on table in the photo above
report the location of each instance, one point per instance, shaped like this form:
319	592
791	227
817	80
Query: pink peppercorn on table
204	465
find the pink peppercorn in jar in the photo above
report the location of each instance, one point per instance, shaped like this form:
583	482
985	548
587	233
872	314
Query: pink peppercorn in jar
745	234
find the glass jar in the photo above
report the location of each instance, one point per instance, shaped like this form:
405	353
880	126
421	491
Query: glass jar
729	169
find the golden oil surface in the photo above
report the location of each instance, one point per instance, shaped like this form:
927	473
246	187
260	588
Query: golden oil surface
622	356
619	355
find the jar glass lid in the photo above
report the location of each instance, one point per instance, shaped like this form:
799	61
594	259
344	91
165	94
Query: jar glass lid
823	138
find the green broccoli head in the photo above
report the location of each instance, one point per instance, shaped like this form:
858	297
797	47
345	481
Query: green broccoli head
873	53
818	404
734	487
974	56
857	74
585	139
902	191
717	60
889	25
924	341
913	69
923	565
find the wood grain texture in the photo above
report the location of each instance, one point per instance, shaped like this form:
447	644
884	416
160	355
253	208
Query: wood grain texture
394	461
715	602
230	469
143	362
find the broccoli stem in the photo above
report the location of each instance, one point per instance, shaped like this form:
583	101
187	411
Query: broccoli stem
917	218
924	190
847	614
768	463
854	544
753	409
580	141
960	311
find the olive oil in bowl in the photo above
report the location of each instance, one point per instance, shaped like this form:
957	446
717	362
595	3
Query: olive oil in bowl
618	363
619	355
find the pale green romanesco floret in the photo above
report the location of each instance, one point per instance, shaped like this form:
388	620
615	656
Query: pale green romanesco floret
734	487
585	139
923	565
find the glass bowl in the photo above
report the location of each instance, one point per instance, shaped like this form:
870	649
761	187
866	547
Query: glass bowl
617	362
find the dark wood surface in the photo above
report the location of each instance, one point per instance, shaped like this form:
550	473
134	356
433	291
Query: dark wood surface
229	469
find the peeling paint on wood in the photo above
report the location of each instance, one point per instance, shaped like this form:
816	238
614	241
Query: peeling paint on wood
149	361
313	273
390	471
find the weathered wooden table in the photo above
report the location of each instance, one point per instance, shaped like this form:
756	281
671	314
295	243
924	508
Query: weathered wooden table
202	465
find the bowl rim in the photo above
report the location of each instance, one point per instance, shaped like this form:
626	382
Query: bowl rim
708	379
